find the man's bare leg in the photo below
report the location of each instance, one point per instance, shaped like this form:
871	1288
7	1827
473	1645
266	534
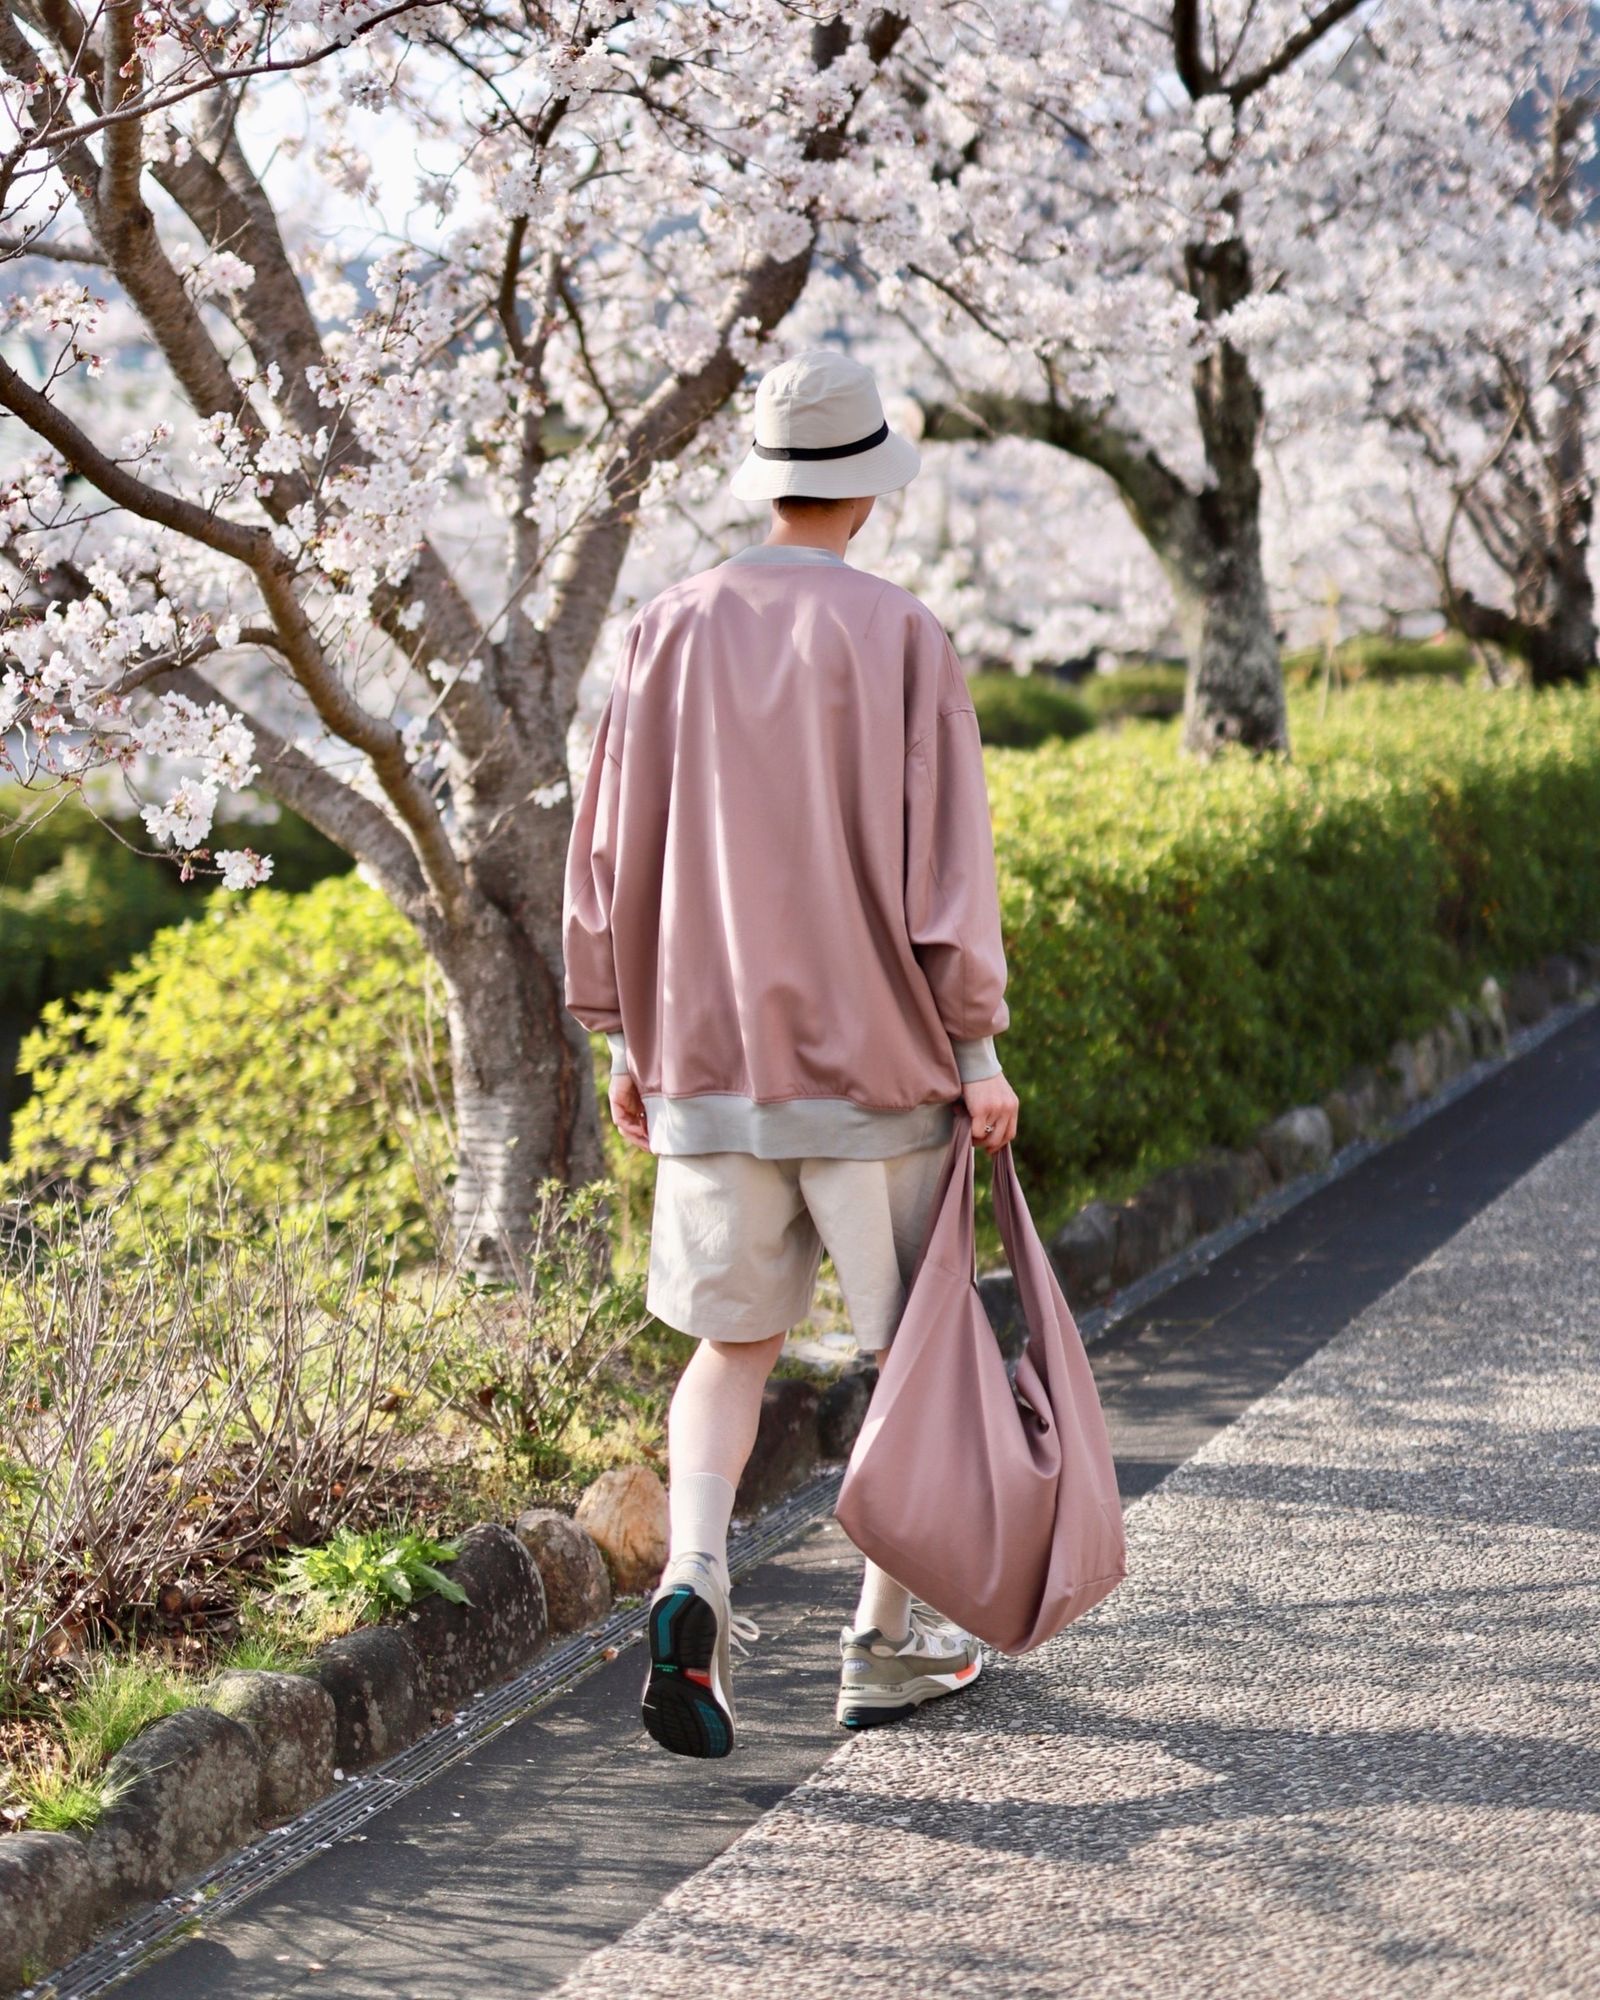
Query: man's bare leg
711	1430
688	1704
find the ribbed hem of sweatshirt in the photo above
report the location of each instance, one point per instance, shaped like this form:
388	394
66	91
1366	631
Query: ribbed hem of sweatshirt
799	1128
975	1060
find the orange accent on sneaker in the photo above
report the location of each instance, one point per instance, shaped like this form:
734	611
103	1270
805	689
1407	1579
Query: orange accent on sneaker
696	1674
966	1673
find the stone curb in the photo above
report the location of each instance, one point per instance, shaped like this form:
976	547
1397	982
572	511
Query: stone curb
264	1747
200	1783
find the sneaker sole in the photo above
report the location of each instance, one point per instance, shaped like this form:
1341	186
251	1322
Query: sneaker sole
680	1706
867	1707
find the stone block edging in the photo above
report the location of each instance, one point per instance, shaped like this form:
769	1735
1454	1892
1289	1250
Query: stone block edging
261	1748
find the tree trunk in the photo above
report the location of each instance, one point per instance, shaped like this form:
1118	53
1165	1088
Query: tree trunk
1551	624
523	1072
524	1091
1234	689
1556	643
1235	685
1563	649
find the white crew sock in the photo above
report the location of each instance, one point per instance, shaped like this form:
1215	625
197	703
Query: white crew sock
883	1603
699	1508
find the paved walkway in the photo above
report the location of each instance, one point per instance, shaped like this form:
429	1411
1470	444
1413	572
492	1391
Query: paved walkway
1338	1734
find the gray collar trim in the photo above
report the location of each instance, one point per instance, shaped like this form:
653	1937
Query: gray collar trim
784	553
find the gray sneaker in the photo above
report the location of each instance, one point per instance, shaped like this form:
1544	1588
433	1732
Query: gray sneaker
688	1699
880	1681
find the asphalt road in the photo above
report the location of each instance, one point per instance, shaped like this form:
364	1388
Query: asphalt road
1336	1734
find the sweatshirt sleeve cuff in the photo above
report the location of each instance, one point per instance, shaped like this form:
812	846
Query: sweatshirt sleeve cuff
619	1054
976	1060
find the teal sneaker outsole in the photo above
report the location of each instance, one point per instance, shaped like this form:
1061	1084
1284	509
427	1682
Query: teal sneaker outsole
680	1708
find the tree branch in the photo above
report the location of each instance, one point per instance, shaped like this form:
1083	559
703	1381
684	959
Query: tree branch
224	199
1187	58
151	503
47	101
506	297
358	726
352	822
1163	505
671	417
1326	17
121	75
165	96
332	700
57	251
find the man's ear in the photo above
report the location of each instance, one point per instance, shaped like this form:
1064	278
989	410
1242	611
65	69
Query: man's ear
863	512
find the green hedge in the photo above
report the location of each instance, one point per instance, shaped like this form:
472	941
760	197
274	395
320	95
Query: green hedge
1371	657
79	898
1195	948
1140	691
295	1036
1020	711
1192	949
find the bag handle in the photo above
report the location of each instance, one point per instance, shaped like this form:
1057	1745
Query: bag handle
1020	1241
1024	1253
958	1164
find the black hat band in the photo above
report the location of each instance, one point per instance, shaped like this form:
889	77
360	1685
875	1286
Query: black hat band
810	451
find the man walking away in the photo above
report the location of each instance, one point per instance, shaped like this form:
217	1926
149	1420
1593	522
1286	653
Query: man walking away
781	910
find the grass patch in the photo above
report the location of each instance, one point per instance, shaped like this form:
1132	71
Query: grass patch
117	1699
59	1785
268	1642
59	1801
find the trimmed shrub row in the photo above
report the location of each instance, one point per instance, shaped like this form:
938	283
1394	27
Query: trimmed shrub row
1370	656
291	1032
1191	948
1019	711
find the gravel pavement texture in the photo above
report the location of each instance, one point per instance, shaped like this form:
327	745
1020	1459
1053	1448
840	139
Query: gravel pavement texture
1338	1734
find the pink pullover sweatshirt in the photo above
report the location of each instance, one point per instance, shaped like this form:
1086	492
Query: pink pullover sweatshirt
780	892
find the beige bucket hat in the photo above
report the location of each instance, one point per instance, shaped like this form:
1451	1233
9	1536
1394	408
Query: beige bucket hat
820	430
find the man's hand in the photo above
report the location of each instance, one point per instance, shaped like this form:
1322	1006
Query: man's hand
627	1110
993	1105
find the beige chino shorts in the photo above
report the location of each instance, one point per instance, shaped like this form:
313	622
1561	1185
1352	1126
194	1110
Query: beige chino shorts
736	1241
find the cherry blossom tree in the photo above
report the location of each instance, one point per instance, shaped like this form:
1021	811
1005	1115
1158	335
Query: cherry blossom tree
348	526
1118	264
1491	388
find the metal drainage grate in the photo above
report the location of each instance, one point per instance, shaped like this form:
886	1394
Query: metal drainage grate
276	1854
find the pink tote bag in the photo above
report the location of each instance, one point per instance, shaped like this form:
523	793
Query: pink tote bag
997	1508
